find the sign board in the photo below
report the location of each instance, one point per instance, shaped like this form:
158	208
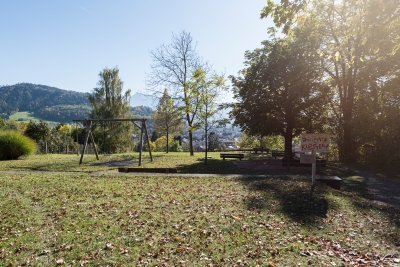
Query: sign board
316	142
307	158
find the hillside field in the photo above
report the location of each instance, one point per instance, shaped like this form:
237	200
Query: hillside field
25	116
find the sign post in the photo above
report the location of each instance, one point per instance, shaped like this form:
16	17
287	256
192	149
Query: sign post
313	143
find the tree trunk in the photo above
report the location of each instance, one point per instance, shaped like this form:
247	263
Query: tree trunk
206	147
349	155
288	146
348	148
167	141
191	143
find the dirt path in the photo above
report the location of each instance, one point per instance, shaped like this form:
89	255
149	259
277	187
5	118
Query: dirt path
382	190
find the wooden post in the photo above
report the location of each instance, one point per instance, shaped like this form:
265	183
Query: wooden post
93	143
141	146
89	124
147	138
77	138
86	140
314	160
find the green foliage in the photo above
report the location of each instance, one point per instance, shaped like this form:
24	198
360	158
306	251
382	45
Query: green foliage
78	134
175	147
207	89
109	102
63	113
11	125
272	142
213	142
142	112
2	123
38	131
14	145
167	118
48	139
283	14
154	136
153	147
46	102
355	43
281	91
248	141
160	145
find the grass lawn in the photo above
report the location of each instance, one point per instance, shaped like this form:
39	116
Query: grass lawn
26	116
94	218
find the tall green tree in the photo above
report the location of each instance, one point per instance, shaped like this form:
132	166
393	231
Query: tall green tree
38	131
280	92
172	67
167	118
109	102
358	45
47	138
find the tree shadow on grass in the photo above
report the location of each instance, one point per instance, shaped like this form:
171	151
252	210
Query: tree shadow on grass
215	166
289	195
363	201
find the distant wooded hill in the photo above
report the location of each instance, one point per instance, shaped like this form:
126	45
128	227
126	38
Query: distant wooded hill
50	103
142	111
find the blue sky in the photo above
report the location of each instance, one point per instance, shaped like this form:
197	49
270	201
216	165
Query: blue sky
66	44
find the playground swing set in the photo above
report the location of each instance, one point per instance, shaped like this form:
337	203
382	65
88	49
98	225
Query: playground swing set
91	123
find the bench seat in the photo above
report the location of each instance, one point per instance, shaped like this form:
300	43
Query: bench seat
232	156
278	154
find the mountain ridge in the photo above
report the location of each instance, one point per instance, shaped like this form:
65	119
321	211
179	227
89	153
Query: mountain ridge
49	103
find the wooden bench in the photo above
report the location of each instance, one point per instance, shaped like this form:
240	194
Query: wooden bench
278	153
231	156
262	150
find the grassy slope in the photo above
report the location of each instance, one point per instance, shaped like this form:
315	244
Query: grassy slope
26	115
81	219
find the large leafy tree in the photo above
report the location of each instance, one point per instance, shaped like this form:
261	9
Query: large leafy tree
108	101
284	14
167	118
280	91
359	48
172	67
47	138
38	131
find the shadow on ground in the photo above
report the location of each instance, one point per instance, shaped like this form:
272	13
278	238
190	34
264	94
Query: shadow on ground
116	163
288	194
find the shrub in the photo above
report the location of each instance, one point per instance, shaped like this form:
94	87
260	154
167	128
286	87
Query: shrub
14	145
175	147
